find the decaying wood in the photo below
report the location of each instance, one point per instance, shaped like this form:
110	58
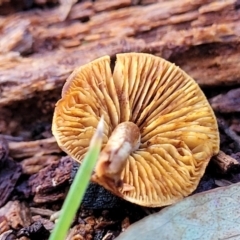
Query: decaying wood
45	72
35	164
44	76
80	231
4	150
51	183
34	148
4	226
29	119
17	37
125	223
7	234
41	211
49	225
225	162
208	66
168	29
105	5
40	48
235	126
33	231
226	103
10	172
17	214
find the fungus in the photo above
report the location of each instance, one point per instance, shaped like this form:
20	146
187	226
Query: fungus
159	129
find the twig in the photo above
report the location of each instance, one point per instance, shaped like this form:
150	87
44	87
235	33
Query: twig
42	212
225	162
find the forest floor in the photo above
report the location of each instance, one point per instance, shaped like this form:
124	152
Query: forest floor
42	42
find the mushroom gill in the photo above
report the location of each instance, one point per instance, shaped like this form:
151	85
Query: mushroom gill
160	131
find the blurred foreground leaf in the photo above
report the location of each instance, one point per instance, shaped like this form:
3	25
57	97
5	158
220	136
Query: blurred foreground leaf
209	215
79	185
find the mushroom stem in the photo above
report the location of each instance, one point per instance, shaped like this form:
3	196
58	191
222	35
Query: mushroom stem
123	141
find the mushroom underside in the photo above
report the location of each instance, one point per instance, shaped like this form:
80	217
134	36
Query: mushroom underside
178	129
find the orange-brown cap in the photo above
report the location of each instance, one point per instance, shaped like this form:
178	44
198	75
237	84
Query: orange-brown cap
178	129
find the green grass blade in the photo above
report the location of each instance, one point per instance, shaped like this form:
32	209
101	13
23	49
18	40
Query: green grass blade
79	186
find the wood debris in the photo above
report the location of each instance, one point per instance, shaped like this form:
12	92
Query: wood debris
228	102
8	235
17	214
10	172
47	185
105	5
125	224
15	37
34	164
49	225
4	150
225	162
40	47
34	148
35	231
154	33
4	226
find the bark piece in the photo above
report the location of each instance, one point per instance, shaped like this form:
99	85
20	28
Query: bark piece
226	103
53	15
208	66
226	163
49	225
65	8
35	231
163	20
81	11
8	235
49	71
22	189
42	68
105	5
4	150
51	183
41	211
17	214
35	164
125	224
33	148
10	172
160	19
206	57
80	232
15	36
4	226
235	126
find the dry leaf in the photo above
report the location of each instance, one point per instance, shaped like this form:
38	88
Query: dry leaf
210	215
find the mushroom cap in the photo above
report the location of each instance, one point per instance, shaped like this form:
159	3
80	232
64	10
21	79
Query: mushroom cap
179	132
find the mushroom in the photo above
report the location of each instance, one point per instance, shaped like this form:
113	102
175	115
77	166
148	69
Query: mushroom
160	131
